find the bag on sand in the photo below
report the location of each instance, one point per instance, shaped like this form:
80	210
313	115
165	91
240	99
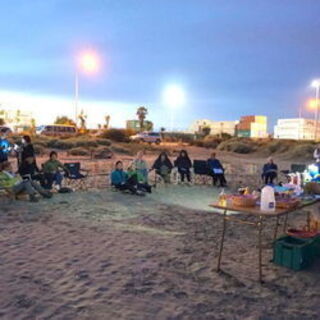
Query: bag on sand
65	190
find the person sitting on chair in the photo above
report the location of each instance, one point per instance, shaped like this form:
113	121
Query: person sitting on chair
52	174
163	167
184	164
216	170
269	171
140	167
121	180
16	185
28	169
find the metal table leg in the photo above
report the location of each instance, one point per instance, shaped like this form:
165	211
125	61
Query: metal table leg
276	229
309	220
259	225
222	239
285	224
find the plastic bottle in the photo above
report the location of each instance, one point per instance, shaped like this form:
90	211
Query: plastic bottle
268	202
222	199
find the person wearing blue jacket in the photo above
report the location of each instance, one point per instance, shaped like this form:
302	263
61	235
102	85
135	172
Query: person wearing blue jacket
269	171
4	148
216	170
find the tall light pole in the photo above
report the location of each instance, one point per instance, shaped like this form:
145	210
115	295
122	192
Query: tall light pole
174	98
316	84
76	96
88	62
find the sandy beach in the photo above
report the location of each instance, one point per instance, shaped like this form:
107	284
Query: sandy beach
107	255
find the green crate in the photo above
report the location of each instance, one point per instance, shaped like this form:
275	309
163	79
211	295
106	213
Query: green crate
316	246
294	253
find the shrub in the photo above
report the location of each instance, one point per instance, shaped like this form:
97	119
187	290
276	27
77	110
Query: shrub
118	135
103	142
60	144
120	149
197	143
79	152
178	137
39	149
243	148
238	145
103	153
302	151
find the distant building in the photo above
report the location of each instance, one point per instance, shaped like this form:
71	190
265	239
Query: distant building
216	127
135	125
296	128
17	120
252	127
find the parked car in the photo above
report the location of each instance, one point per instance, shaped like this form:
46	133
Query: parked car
57	130
149	137
4	129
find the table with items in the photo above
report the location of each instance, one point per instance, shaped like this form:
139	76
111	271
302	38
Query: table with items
237	208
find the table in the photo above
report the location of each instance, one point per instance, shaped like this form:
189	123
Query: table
260	216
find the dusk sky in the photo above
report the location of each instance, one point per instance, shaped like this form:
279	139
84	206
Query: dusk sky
232	57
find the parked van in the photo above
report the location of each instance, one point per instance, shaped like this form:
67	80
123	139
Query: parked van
57	130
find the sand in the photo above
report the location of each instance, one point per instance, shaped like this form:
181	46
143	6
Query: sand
107	255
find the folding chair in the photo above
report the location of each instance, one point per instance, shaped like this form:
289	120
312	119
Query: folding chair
298	168
294	168
201	172
74	176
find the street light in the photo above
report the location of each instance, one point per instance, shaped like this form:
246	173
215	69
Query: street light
316	84
174	97
87	62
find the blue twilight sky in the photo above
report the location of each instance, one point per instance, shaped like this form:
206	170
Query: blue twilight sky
232	57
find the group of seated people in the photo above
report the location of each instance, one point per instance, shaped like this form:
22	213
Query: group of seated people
136	180
29	178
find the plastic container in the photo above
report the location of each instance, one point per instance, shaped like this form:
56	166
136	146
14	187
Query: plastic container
268	202
293	253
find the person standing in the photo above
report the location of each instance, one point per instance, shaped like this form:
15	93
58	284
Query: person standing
184	164
27	148
4	148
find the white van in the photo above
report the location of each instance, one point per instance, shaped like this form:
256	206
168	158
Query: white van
57	130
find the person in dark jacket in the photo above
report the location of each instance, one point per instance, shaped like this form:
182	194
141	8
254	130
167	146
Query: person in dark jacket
269	171
184	164
29	171
216	170
27	150
163	166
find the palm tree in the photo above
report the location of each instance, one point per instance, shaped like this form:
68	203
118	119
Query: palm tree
142	113
107	119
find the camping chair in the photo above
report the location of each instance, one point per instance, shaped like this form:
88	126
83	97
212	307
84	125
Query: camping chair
158	180
201	172
74	176
295	168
